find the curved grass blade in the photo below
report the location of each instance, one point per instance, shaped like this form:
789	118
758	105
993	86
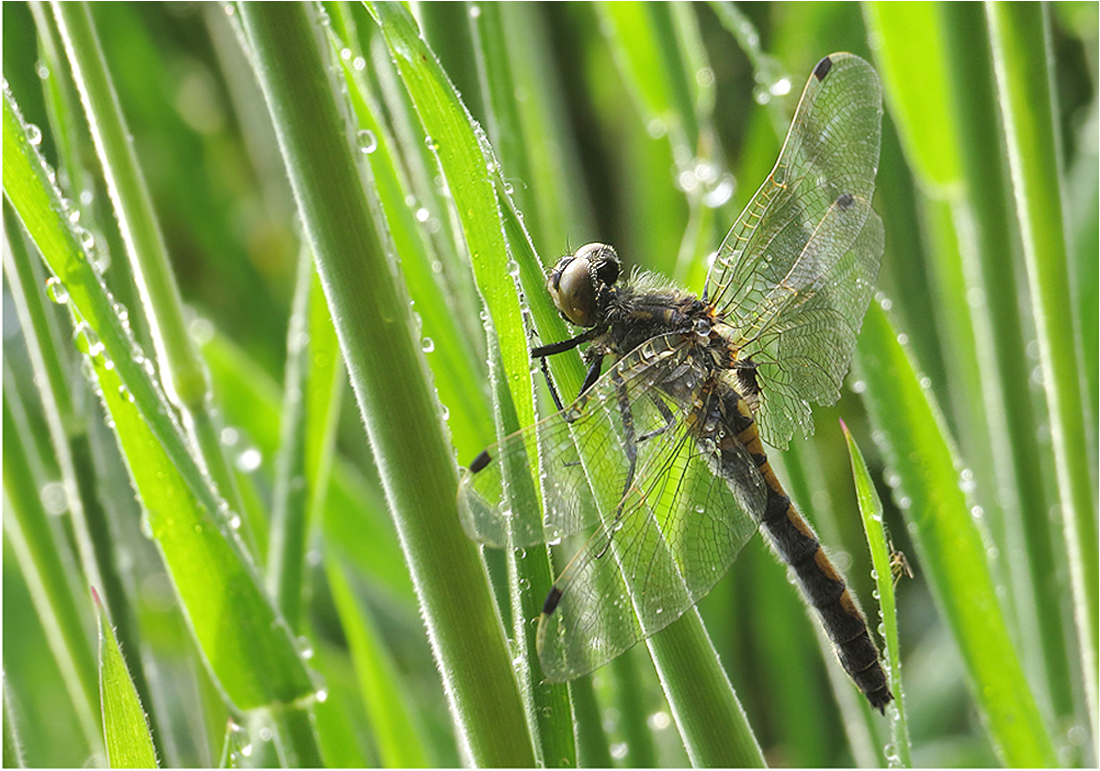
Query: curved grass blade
949	543
180	365
247	649
125	730
882	556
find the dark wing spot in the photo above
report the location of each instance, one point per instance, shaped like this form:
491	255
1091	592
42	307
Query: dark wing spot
845	201
822	68
552	601
480	462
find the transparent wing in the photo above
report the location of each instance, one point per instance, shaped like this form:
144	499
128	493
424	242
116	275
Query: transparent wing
584	455
786	245
680	528
803	354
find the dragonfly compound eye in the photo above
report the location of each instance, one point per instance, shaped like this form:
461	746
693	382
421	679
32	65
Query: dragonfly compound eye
578	282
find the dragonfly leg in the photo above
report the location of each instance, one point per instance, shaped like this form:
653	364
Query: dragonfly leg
666	413
630	446
593	373
542	351
550	383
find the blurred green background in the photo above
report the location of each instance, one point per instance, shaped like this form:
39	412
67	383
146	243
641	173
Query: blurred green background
600	157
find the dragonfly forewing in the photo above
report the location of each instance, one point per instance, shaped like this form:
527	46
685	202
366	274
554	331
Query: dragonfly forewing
803	229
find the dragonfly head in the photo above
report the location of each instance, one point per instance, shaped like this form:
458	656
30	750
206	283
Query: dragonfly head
580	284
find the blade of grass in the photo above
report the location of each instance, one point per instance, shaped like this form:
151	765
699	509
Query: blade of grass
530	571
984	240
76	155
125	732
950	545
272	670
1021	53
396	739
296	481
710	718
181	367
40	562
544	156
468	166
453	359
13	748
289	527
70	441
402	418
870	509
246	644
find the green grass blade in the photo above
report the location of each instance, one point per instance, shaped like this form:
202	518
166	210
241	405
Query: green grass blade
712	722
882	555
40	562
247	646
28	185
951	549
530	571
181	367
455	365
1021	40
289	525
398	743
386	370
125	731
69	439
13	749
525	102
469	169
207	564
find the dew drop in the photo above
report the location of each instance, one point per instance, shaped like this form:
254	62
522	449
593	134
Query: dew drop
367	141
34	134
56	291
53	497
249	460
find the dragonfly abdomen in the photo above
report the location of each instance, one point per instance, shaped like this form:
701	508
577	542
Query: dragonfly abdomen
825	590
822	586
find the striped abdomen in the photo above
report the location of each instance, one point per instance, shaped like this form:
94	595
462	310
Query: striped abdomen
824	589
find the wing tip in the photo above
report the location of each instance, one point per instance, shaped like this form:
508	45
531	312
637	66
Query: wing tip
823	67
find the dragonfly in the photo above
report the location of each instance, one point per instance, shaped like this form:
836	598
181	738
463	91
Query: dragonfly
657	471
